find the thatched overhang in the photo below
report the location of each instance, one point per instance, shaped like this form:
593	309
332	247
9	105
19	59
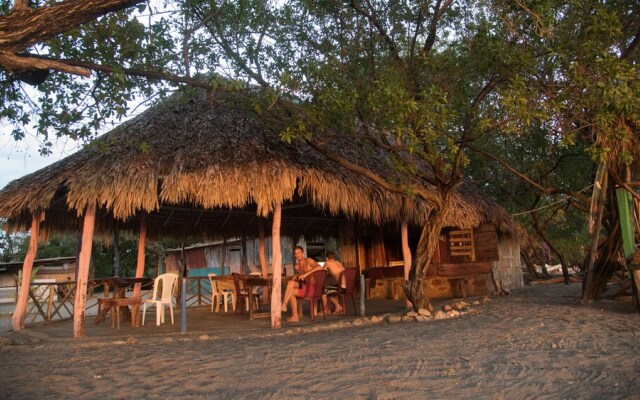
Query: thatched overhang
193	165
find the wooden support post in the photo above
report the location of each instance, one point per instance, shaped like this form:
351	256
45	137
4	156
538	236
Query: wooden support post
406	254
263	258
83	272
276	306
140	262
27	269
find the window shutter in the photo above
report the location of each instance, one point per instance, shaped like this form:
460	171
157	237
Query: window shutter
486	243
461	243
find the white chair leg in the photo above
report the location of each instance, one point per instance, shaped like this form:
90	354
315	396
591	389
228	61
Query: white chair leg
158	314
144	312
171	310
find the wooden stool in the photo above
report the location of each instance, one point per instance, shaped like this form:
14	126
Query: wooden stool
134	302
105	304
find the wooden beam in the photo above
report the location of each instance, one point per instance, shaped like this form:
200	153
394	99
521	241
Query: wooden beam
27	269
276	305
140	261
83	272
406	254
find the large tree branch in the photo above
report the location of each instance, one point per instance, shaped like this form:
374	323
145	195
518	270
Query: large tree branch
217	34
24	27
525	178
438	11
187	36
85	65
391	44
13	62
631	47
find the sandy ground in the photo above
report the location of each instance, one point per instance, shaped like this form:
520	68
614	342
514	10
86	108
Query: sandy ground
536	343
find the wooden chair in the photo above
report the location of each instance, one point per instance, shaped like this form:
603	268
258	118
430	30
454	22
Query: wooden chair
313	293
217	295
242	296
168	282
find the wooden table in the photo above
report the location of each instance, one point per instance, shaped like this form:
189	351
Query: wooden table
119	300
253	281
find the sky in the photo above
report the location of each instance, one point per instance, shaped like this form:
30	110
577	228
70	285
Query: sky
19	158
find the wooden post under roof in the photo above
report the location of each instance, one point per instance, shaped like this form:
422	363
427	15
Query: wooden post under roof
27	269
263	258
140	262
406	254
83	272
276	306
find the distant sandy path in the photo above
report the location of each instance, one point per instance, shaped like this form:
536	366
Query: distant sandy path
536	343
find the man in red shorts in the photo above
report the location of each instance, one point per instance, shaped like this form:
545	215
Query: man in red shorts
296	286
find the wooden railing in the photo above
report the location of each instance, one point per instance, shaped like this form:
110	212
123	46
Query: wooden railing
52	301
197	293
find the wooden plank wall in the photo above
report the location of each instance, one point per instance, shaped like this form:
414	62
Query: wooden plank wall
508	269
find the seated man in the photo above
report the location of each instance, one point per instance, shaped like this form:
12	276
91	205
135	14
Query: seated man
296	286
334	268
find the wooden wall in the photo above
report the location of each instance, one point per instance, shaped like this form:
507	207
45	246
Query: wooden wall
508	269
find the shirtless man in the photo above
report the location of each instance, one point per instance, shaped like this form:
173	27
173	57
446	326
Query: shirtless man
296	286
335	268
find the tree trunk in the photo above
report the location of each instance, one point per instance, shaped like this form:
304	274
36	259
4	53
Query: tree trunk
529	264
605	266
608	252
414	287
561	257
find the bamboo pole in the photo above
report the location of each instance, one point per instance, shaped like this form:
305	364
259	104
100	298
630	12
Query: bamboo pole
406	254
140	262
83	272
276	306
27	269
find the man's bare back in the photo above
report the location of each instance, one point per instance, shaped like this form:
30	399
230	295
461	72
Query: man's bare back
335	268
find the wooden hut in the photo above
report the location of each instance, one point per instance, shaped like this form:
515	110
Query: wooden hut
194	166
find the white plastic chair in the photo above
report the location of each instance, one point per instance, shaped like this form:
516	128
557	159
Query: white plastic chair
168	281
217	295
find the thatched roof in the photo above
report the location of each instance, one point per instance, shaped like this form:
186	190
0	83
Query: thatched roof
189	160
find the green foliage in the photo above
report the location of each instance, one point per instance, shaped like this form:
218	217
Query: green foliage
9	244
69	106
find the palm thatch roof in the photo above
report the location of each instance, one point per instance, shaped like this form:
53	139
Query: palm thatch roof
190	160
